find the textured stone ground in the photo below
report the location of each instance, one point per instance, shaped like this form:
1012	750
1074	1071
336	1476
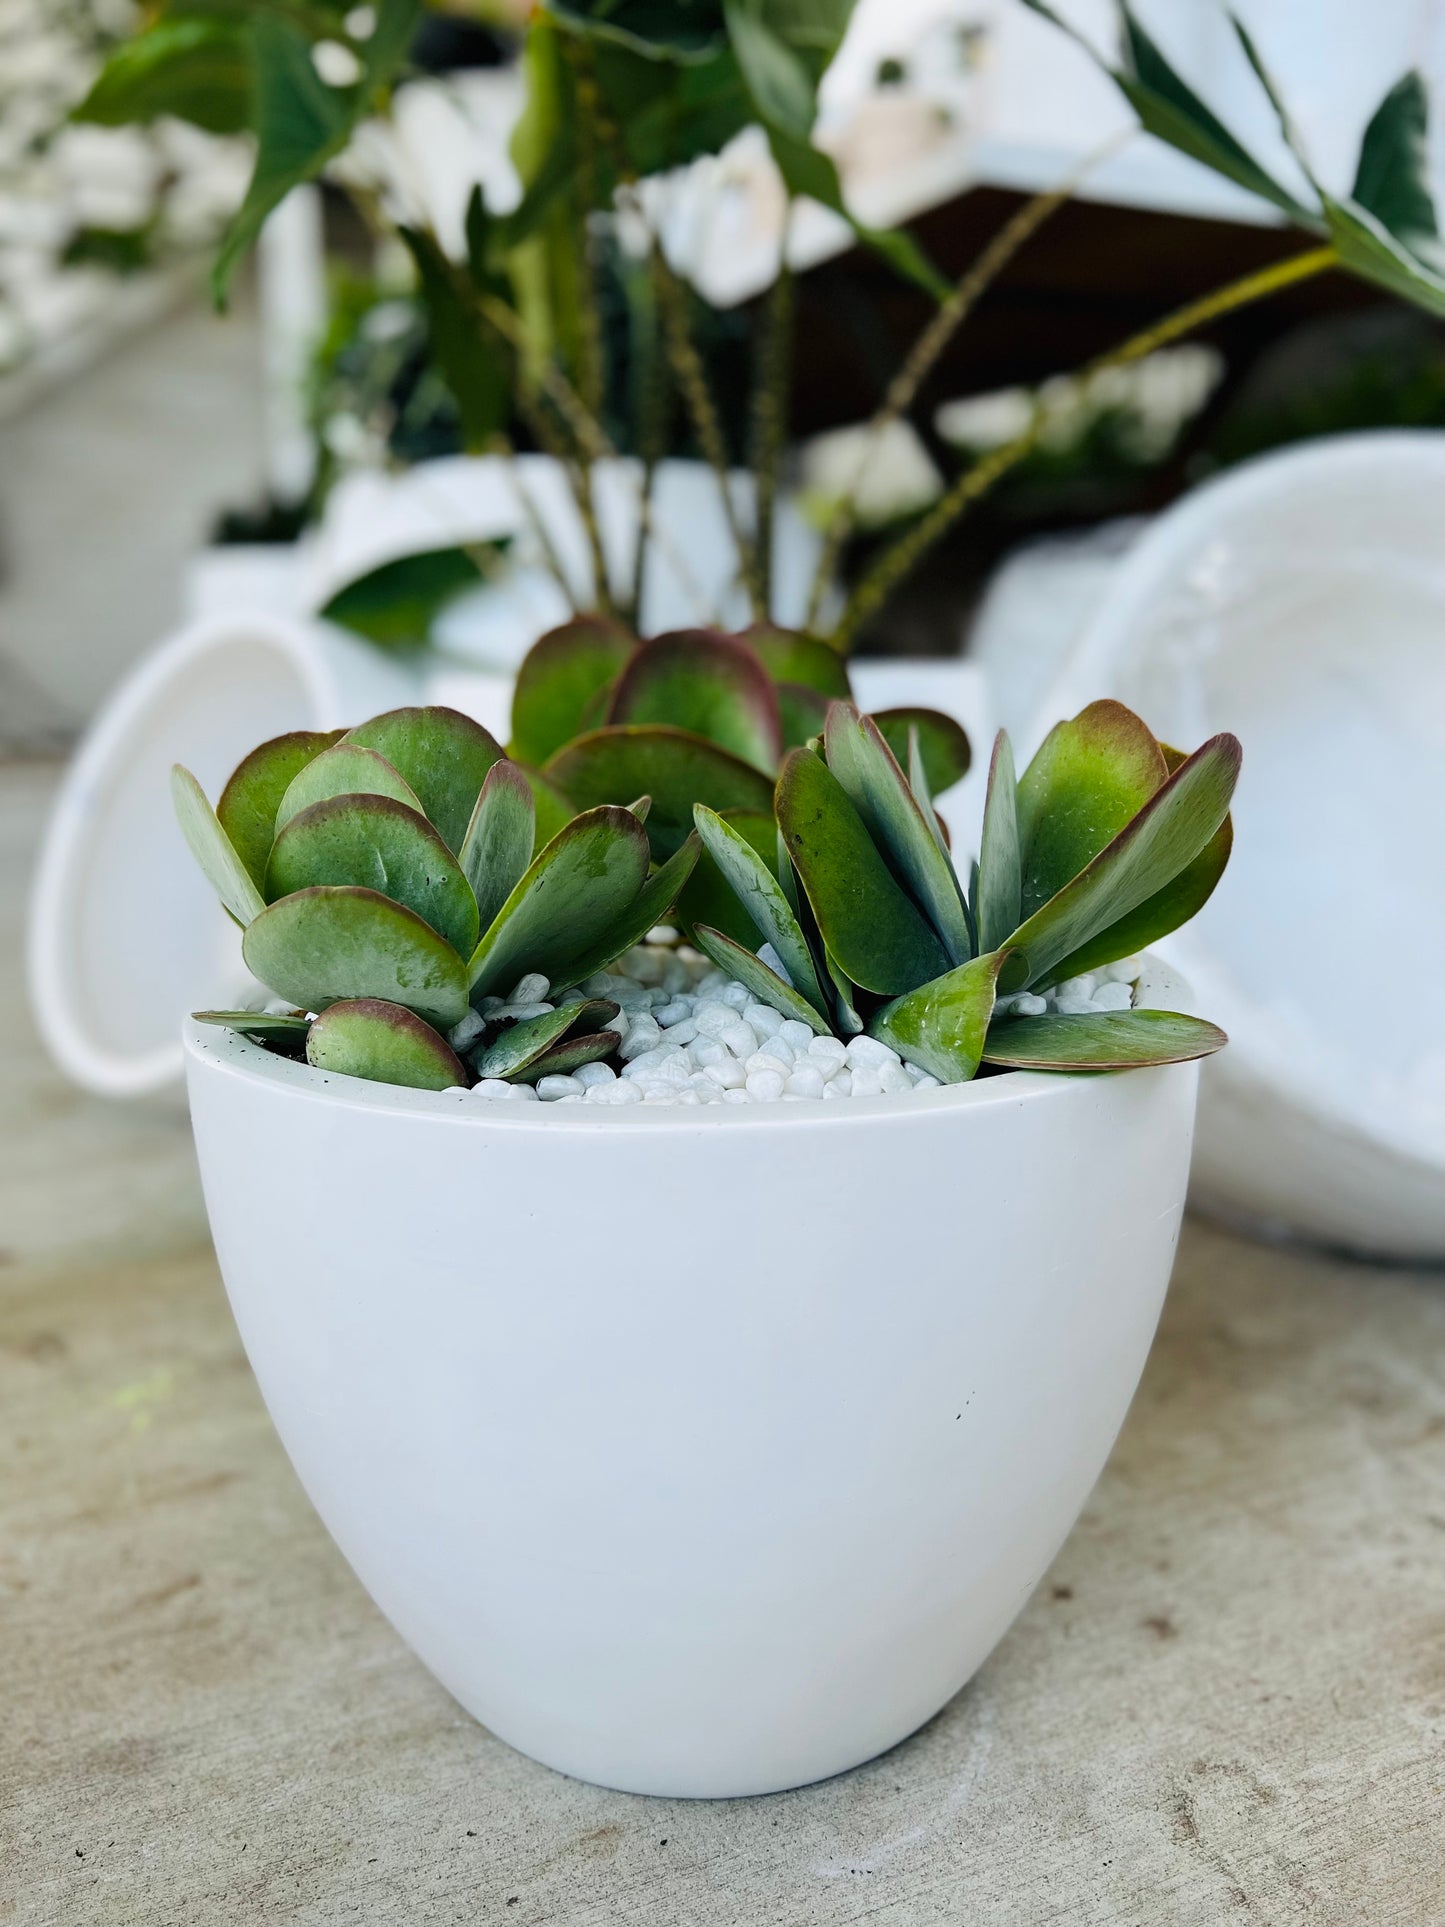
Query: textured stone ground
1225	1703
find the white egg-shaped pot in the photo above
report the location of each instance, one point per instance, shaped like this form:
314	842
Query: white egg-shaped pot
703	1452
1299	601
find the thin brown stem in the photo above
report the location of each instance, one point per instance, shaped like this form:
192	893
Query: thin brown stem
771	395
899	560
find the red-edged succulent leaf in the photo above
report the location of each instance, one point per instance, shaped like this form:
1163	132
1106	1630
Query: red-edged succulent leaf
442	754
998	889
673	766
943	1024
208	843
385	1042
943	744
709	684
1089	778
653	904
766	985
790	656
500	839
561	677
516	1045
748	876
1113	1040
346	769
335	943
249	802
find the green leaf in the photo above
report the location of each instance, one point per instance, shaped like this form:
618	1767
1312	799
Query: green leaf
1113	1040
789	656
1366	249
554	810
568	1056
286	1034
346	769
943	744
918	783
1168	909
442	754
782	89
1167	835
658	30
193	69
579	886
870	925
942	1025
1392	181
500	839
254	789
396	603
213	849
387	1043
470	356
334	943
520	1043
761	896
560	677
708	684
803	712
675	768
998	893
766	985
1091	776
709	898
381	845
651	906
808	171
877	788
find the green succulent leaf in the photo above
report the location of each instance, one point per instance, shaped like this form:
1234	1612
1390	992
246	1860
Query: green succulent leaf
1113	1040
520	1044
387	1043
918	783
790	656
252	796
580	885
1090	777
998	890
381	845
766	985
943	744
442	754
193	69
554	810
761	896
1168	909
1169	833
672	766
286	1034
499	841
213	849
943	1024
651	906
872	928
346	769
561	676
395	604
709	898
708	684
877	788
802	712
568	1056
334	943
845	996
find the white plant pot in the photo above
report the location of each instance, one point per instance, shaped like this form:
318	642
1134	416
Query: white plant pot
697	1454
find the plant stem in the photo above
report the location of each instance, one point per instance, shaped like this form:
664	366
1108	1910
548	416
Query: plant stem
952	313
897	562
771	392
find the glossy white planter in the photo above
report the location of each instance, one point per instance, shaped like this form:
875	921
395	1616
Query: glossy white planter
700	1453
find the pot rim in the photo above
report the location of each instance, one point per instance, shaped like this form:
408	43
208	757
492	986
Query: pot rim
214	1049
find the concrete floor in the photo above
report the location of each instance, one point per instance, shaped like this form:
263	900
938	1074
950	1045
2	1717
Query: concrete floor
1226	1702
109	482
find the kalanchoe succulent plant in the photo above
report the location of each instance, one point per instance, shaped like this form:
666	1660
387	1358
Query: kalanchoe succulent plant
388	882
1109	841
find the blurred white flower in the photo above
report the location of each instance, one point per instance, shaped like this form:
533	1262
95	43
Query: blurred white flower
886	476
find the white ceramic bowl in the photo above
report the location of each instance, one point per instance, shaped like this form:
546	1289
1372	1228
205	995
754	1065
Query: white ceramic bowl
699	1453
1300	601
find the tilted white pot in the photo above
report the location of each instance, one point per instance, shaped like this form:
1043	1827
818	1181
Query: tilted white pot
705	1452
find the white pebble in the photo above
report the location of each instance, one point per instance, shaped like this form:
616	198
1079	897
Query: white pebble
1029	1005
620	1091
549	1089
532	989
590	1075
642	1033
893	1078
867	1081
766	1021
467	1031
867	1050
1128	970
774	1056
737	995
1114	996
728	1074
521	1012
767	955
806	1081
674	1013
491	1088
797	1034
765	1086
1073	1006
828	1053
714	1018
740	1038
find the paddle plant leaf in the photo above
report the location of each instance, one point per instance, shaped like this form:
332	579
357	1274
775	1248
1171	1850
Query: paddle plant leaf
652	905
519	1044
802	712
709	898
872	928
499	841
877	788
561	676
381	845
578	886
673	766
212	848
1167	835
387	1043
285	1034
918	783
790	656
1113	1040
554	811
943	1024
252	796
765	984
343	770
943	744
336	942
761	896
998	889
569	1055
1091	776
442	754
709	684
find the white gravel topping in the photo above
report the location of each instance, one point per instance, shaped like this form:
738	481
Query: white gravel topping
689	1034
